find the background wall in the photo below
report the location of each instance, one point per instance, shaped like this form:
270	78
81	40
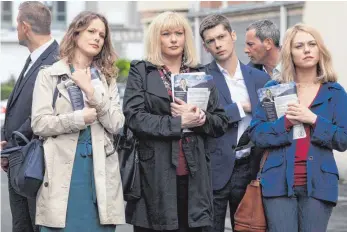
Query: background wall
331	25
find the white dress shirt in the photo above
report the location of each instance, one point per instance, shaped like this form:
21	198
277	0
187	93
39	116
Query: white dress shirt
37	53
238	93
275	72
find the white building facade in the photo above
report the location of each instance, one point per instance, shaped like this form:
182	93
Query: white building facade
334	36
125	28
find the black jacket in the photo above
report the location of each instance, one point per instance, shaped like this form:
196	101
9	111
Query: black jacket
148	115
19	103
257	66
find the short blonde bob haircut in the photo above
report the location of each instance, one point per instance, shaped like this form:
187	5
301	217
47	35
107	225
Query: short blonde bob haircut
325	70
166	21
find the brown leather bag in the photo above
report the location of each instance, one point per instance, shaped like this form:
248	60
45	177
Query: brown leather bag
250	216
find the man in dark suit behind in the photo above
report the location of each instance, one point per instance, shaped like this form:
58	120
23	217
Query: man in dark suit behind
237	84
33	28
263	46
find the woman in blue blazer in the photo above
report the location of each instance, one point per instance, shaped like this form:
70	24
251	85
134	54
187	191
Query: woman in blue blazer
300	177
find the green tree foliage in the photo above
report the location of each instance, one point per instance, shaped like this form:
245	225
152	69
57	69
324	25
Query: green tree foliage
7	87
124	66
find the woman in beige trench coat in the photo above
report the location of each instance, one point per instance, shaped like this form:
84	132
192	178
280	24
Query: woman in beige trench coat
82	189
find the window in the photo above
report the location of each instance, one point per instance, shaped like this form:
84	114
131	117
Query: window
6	14
58	9
61	11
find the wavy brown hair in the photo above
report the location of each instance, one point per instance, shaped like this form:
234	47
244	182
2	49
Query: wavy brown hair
104	61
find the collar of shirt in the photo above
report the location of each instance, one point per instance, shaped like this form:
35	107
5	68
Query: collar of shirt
264	69
238	73
277	69
38	51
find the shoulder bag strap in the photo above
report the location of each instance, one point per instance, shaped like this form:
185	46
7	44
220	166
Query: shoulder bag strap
17	134
141	66
55	94
262	162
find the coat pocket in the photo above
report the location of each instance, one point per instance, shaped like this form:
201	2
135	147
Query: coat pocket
329	168
273	161
326	175
145	151
273	176
330	173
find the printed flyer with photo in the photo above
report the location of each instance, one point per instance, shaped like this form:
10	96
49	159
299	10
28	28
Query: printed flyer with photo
193	88
275	100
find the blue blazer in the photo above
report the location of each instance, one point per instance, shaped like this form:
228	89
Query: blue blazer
222	148
330	133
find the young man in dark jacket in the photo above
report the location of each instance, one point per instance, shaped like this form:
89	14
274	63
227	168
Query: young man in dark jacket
237	85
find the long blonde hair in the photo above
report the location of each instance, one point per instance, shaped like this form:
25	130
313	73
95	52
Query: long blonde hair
104	61
325	69
165	21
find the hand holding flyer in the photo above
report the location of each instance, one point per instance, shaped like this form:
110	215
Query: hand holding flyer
275	100
192	88
179	107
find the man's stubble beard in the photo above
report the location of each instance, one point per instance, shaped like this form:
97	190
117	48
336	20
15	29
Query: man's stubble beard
23	42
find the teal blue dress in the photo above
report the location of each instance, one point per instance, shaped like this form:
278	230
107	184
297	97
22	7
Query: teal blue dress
82	212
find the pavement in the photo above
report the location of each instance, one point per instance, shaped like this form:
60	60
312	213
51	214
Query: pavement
337	223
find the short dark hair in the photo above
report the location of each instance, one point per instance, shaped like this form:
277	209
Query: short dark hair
265	29
212	21
37	15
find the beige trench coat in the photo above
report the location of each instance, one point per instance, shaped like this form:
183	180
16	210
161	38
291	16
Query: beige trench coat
60	128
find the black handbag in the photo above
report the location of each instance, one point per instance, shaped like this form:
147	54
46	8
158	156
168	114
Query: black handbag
127	148
26	166
26	163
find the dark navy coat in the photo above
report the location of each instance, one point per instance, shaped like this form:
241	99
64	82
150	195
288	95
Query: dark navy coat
222	149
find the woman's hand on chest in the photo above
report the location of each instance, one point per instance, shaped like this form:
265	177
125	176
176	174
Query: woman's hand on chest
82	78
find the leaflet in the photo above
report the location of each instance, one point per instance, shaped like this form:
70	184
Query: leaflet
193	88
275	100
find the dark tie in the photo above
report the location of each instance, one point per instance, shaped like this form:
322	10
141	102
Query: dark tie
21	76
